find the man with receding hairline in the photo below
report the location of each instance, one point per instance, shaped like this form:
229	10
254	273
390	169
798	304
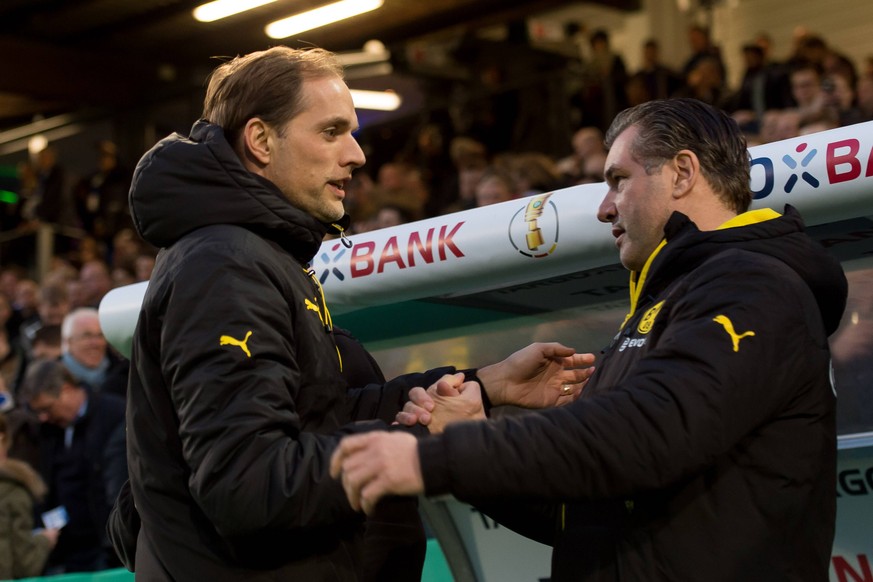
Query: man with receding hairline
236	396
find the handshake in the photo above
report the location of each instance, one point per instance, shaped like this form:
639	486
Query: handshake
380	463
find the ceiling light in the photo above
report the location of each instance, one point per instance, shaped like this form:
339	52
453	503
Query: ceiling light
36	144
374	52
223	8
378	100
318	17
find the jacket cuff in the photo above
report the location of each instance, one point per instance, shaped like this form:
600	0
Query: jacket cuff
470	376
434	464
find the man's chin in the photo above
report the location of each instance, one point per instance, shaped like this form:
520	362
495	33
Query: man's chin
334	214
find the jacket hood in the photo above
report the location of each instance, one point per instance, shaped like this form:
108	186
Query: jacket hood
186	183
23	474
783	238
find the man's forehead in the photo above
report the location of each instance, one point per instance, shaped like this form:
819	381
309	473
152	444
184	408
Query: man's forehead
623	143
42	400
315	92
86	323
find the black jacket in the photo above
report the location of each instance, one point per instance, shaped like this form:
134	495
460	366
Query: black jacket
96	459
705	447
236	398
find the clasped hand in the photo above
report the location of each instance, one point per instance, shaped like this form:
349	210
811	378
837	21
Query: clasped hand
380	463
541	375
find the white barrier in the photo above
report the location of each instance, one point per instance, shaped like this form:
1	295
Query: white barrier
828	176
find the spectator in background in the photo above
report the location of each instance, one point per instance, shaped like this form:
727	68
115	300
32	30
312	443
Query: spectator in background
89	249
390	215
702	48
840	101
867	67
10	317
80	460
431	157
23	549
660	80
6	314
495	186
636	89
126	246
400	184
24	306
87	356
101	197
361	201
763	87
47	343
143	266
60	271
76	294
532	172
52	205
605	75
52	306
592	171
123	275
96	281
809	104
587	142
7	398
764	41
704	82
10	275
865	96
806	90
13	361
470	158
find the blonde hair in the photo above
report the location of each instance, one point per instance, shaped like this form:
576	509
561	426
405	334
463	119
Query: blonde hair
264	84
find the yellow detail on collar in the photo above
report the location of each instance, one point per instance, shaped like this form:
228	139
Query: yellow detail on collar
638	279
750	217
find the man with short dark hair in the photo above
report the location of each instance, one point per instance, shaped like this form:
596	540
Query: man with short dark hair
704	447
78	461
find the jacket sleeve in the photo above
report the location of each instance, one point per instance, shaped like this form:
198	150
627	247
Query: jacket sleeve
115	462
123	526
369	396
691	399
384	401
23	552
252	466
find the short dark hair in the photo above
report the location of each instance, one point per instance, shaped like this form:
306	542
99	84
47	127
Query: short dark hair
669	126
264	84
599	35
48	334
45	377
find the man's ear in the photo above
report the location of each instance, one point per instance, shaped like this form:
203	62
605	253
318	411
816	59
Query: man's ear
256	143
687	171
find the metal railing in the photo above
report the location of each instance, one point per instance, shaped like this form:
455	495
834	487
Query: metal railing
44	235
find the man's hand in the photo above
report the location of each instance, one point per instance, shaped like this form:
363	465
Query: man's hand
538	376
376	464
448	400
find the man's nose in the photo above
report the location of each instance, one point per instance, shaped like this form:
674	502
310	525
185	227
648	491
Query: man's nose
606	212
356	156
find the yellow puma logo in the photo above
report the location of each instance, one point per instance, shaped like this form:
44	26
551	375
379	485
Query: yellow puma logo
729	328
313	307
227	340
